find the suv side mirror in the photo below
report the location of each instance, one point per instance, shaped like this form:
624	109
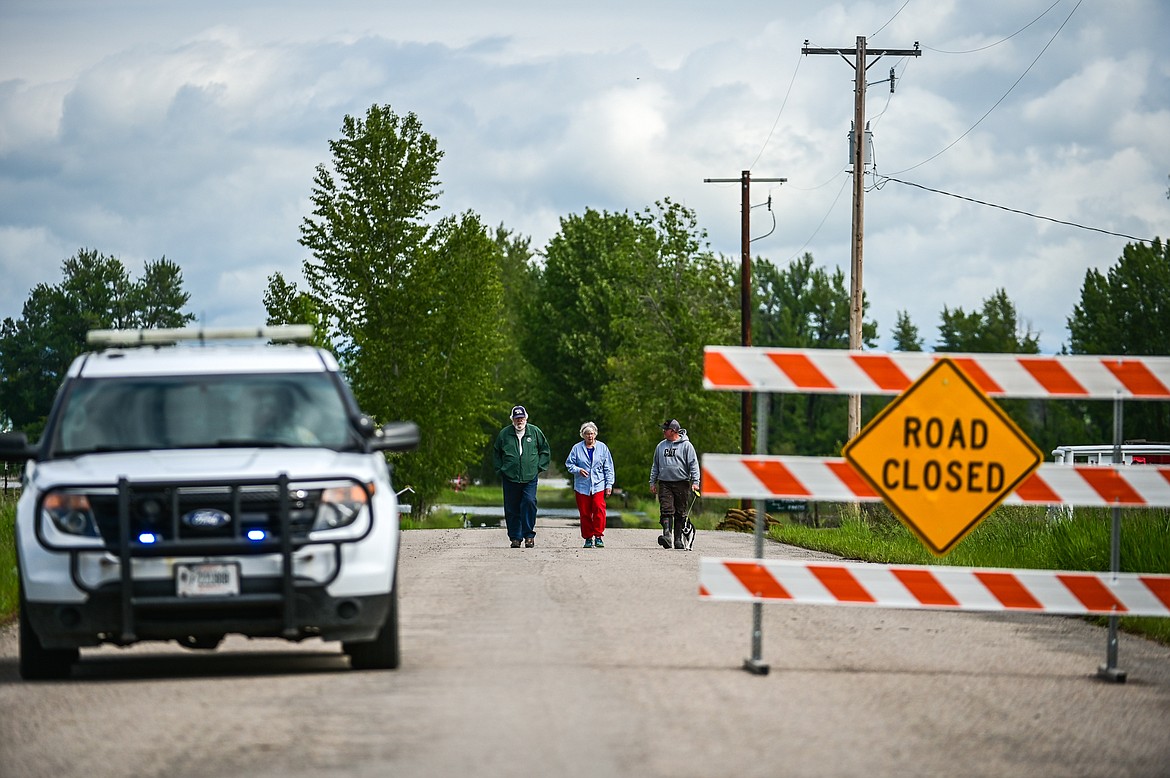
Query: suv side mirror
14	447
396	436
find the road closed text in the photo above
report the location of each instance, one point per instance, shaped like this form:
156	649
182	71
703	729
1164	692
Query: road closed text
954	463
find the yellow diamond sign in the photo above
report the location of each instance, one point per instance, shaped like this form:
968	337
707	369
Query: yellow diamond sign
943	456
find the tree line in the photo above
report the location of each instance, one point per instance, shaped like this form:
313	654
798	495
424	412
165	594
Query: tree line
450	322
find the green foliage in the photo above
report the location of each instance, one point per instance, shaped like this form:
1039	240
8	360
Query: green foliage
517	381
9	583
686	301
996	329
96	293
594	267
412	311
623	308
288	305
1125	312
802	306
436	359
905	334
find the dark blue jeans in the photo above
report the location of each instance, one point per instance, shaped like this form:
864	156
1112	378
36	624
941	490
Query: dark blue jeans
520	509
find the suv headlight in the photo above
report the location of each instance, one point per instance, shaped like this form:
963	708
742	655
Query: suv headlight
70	513
341	505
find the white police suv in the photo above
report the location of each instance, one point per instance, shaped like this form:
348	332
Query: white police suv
196	483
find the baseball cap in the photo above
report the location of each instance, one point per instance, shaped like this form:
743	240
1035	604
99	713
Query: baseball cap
671	425
519	412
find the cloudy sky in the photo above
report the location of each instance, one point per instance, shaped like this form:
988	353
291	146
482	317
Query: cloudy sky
144	128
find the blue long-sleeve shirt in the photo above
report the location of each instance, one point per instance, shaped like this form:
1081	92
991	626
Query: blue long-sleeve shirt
600	468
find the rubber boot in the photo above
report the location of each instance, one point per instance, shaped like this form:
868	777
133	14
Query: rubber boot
678	528
664	538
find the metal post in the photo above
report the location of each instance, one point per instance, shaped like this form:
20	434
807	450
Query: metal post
1109	671
754	664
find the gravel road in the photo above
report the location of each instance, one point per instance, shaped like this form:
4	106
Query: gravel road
562	661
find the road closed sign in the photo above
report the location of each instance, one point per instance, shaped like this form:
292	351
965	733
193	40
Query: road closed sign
942	455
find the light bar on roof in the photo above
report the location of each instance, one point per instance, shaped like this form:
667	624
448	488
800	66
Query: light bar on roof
281	333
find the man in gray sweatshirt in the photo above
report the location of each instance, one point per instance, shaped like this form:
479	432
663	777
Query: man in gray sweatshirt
674	475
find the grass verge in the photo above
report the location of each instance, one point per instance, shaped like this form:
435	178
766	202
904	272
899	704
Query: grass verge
8	579
1012	537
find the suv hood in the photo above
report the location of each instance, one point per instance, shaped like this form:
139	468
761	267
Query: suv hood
206	464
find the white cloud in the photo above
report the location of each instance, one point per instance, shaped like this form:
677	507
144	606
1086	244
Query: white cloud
194	132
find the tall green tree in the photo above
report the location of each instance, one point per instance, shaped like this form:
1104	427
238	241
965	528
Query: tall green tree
905	334
687	299
96	292
593	268
1125	311
412	310
624	305
802	306
516	381
994	329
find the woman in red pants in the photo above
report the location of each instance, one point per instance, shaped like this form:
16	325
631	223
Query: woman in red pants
592	467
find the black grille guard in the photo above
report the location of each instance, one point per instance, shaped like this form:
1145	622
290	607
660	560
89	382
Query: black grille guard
127	548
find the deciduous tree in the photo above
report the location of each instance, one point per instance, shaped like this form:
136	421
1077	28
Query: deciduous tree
802	306
687	299
96	292
412	310
1126	311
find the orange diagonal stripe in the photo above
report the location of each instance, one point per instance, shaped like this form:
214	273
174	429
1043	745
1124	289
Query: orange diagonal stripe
1137	378
719	371
1159	587
757	580
852	479
801	371
1093	594
883	371
1110	485
1008	590
1053	377
777	478
925	587
712	487
978	375
1036	489
840	583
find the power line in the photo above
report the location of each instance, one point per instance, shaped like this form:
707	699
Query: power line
892	18
825	218
1005	94
1016	210
1005	40
778	114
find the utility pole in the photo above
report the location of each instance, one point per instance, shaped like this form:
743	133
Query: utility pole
745	286
860	66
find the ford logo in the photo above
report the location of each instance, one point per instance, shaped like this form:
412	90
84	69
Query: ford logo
206	518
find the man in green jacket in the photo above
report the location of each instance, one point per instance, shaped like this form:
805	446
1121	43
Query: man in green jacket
520	454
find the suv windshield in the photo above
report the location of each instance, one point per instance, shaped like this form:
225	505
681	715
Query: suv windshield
204	411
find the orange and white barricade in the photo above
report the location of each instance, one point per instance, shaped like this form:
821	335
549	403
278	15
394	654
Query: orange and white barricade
935	587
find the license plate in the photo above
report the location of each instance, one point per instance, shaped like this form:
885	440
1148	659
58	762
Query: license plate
207	580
